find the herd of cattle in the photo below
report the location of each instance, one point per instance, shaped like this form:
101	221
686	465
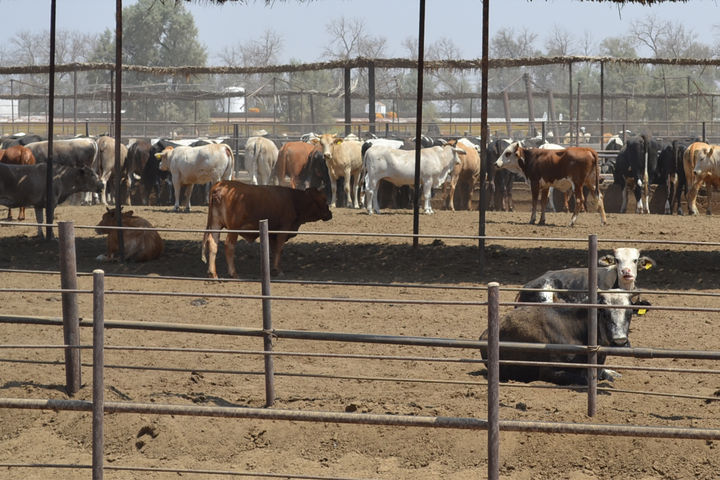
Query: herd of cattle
384	167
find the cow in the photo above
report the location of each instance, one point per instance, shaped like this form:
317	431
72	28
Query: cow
17	155
564	326
238	206
388	194
138	155
618	270
138	245
193	165
261	154
75	152
499	180
22	139
344	160
25	185
465	172
707	171
104	164
543	167
292	161
398	167
636	169
670	163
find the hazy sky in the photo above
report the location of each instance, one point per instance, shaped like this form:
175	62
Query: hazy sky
303	25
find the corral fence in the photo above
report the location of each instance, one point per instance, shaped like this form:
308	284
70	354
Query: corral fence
492	424
678	91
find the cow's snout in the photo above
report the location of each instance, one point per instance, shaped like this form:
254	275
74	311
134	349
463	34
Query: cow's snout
620	341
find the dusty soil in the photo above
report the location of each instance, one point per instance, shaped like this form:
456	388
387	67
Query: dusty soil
356	451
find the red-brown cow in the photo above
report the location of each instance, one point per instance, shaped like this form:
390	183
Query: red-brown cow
544	167
139	245
292	159
238	206
17	155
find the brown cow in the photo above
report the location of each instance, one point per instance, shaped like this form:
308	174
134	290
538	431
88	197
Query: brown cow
292	160
17	155
466	172
543	167
238	206
139	245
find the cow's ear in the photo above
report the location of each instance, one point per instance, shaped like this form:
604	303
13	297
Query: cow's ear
338	141
646	262
158	156
606	260
314	141
636	301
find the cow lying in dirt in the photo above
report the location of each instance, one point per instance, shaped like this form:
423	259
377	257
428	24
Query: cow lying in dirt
566	326
139	245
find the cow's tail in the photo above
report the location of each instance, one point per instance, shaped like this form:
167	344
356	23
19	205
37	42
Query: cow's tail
228	174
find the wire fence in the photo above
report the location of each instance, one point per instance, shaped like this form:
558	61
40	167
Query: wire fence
270	334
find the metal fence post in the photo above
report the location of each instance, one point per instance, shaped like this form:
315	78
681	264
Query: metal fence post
98	400
71	325
592	323
267	316
493	367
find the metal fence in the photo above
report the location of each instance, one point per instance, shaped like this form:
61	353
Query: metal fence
71	323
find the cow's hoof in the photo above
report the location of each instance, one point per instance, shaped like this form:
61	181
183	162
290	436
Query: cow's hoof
610	375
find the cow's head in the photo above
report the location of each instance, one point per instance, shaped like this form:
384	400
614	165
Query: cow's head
164	158
109	220
512	158
627	261
614	323
705	160
318	208
326	142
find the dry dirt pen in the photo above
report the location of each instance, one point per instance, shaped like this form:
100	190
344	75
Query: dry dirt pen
373	285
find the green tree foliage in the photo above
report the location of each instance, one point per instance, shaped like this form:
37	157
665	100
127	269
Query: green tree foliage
157	34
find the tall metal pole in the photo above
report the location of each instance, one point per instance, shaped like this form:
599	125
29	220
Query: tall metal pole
484	126
98	391
266	313
49	195
118	126
531	109
570	101
577	116
348	105
493	376
371	96
602	104
592	322
71	325
418	122
12	106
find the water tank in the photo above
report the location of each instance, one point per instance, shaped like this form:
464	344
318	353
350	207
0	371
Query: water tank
234	104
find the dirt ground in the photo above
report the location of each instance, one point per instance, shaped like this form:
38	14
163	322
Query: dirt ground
357	451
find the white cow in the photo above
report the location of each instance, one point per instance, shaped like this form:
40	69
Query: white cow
192	165
398	167
344	160
707	171
261	154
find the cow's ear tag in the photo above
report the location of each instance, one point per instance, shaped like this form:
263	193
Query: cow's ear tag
648	266
642	311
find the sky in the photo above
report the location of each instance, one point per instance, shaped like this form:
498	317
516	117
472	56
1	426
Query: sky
302	26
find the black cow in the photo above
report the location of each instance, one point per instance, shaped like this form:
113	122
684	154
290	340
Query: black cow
564	326
76	152
671	160
25	185
636	167
499	181
154	179
8	141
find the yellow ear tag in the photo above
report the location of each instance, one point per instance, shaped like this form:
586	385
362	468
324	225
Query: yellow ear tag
648	266
642	311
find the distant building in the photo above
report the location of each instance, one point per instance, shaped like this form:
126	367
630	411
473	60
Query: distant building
234	104
9	108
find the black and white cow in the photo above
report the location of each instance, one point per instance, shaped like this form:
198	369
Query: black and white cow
25	185
563	326
636	169
618	270
498	181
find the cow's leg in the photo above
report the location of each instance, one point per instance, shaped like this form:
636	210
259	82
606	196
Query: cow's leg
427	193
348	186
177	187
543	204
357	183
371	201
188	195
709	189
209	250
551	199
21	213
9	215
277	242
692	196
230	241
623	205
579	201
333	189
535	192
451	196
600	205
39	219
